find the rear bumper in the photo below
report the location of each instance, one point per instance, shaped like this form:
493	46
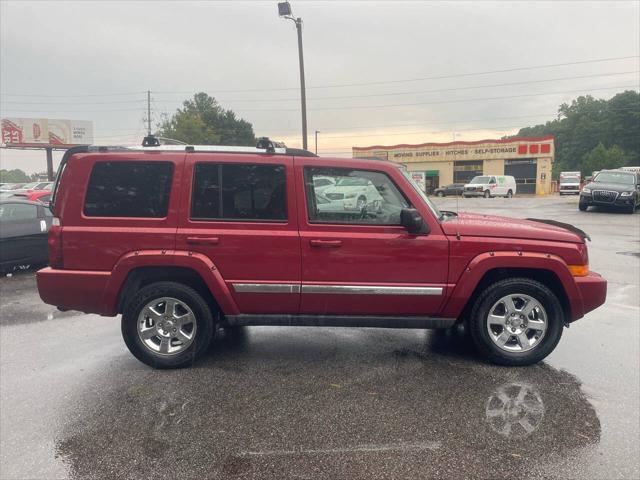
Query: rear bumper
592	290
75	290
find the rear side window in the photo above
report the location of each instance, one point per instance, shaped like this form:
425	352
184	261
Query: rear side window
129	189
11	212
239	192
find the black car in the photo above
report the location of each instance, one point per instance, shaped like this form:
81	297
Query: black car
24	226
451	189
612	188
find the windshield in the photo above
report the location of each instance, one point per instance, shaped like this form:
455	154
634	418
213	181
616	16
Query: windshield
423	195
569	178
479	180
615	177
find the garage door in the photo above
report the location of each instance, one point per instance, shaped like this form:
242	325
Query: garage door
465	170
524	171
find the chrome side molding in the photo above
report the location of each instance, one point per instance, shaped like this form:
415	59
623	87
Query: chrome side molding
334	289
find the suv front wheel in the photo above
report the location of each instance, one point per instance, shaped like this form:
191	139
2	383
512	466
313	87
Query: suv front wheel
517	321
167	325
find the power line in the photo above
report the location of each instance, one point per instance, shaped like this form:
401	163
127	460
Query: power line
434	77
415	92
467	100
418	92
72	96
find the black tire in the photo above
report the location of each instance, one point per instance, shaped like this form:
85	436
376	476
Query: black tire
484	302
509	194
582	206
204	322
440	194
487	194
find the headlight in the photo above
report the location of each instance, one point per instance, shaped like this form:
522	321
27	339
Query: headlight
626	194
586	190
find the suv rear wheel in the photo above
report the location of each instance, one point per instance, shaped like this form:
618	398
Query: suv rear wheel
167	325
517	321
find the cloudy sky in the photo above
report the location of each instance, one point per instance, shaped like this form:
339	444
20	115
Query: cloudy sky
377	72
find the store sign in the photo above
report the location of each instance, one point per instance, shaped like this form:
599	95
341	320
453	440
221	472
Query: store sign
46	132
452	152
419	178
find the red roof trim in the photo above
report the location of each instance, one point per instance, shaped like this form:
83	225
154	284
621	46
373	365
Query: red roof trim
477	142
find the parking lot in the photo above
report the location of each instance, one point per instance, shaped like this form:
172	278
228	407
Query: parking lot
278	402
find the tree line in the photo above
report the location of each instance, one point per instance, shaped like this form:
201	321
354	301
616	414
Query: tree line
594	134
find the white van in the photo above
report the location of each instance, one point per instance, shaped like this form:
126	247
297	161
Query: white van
490	186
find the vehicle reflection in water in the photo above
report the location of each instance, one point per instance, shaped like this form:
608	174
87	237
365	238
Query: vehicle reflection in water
282	402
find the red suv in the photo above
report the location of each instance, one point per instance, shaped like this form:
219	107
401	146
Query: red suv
181	240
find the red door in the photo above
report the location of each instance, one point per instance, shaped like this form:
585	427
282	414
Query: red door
241	212
356	258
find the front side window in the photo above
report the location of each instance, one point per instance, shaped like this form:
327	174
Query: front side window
232	191
129	189
354	197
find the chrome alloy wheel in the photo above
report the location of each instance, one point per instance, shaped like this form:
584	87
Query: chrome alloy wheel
517	322
166	326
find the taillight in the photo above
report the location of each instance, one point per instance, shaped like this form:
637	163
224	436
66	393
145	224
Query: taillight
55	244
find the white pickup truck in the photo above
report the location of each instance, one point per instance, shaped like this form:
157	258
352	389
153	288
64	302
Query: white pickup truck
569	183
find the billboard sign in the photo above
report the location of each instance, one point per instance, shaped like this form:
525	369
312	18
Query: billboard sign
45	132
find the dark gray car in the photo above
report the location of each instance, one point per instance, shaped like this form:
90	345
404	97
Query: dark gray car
452	189
612	188
24	226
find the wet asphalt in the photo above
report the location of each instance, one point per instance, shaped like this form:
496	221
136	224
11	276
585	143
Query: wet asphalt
278	402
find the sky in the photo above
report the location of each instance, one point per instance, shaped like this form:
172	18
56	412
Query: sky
377	73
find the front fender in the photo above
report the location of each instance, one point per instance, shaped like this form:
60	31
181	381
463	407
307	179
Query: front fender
483	263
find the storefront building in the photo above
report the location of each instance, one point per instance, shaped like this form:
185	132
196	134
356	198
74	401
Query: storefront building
529	160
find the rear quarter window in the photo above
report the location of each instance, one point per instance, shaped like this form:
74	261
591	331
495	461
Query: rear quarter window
129	189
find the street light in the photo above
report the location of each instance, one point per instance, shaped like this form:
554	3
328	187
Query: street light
284	10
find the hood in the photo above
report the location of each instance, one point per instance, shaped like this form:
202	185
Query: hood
614	187
478	225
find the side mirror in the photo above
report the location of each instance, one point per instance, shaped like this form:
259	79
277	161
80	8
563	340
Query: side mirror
413	222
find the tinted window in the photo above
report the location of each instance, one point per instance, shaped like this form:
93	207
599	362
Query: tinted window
17	211
356	197
129	189
239	192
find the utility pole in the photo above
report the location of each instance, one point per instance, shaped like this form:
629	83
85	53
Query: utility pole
284	10
149	113
317	132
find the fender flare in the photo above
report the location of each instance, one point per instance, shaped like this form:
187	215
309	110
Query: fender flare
198	262
481	264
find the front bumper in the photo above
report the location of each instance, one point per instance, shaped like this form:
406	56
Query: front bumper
473	193
587	199
593	291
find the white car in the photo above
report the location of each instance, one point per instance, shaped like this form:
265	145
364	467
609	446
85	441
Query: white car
320	184
353	193
490	186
